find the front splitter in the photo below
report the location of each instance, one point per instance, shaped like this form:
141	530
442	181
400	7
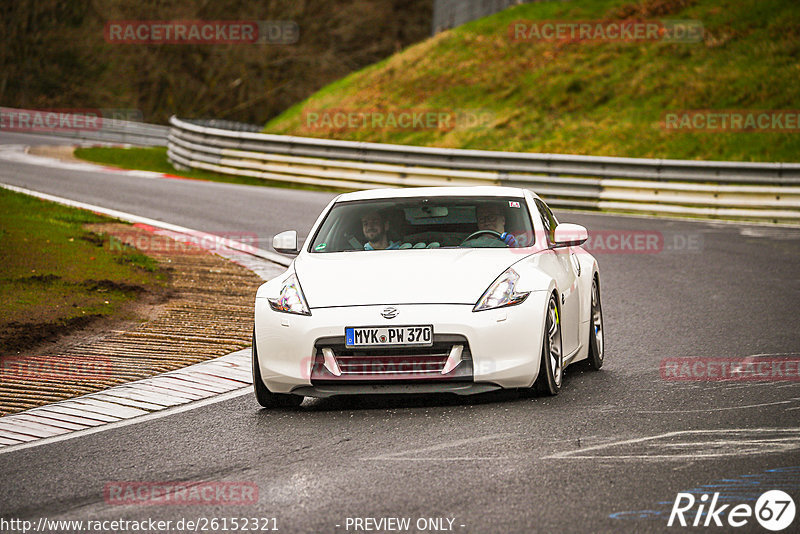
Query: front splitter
329	390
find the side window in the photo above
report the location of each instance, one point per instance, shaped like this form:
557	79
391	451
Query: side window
548	219
552	217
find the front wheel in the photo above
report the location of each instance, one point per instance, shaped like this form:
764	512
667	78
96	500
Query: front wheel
551	369
596	333
264	396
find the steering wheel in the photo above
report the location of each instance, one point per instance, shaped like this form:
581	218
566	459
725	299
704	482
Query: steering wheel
491	233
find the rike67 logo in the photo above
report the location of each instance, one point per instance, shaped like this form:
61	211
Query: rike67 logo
774	510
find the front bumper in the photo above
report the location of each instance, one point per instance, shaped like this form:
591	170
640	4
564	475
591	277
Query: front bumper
500	349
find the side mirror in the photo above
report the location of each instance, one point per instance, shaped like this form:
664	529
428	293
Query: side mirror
285	242
570	235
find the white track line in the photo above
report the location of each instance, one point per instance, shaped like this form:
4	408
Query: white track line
42	425
151	398
661	450
196	236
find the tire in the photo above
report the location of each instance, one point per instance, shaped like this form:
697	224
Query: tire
264	396
596	332
551	369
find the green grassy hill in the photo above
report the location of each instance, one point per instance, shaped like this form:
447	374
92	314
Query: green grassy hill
588	97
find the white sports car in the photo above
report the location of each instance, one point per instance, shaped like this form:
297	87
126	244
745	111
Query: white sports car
436	289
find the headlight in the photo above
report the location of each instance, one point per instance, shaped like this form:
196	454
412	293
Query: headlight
501	293
291	299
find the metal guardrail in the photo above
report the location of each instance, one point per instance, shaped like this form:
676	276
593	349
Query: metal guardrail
452	13
76	126
758	191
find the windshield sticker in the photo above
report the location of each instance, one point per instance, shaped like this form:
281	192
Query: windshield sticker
513	204
321	246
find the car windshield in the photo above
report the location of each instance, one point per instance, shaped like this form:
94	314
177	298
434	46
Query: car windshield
425	222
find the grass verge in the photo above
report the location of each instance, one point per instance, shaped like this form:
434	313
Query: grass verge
57	276
602	98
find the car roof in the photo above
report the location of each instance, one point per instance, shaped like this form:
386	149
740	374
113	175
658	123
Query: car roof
408	192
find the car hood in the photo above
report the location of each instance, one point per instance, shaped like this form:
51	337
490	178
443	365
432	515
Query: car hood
457	276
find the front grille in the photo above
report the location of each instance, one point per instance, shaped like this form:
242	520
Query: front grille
391	364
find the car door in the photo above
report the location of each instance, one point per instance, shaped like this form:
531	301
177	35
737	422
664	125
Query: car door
563	268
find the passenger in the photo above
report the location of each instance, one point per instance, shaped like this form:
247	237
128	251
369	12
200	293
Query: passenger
375	226
490	217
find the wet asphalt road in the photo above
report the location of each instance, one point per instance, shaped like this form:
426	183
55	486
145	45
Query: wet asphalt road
610	453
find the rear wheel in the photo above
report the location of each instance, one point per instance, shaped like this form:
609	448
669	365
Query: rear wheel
265	397
551	370
596	333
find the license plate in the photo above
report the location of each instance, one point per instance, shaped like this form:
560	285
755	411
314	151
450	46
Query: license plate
386	336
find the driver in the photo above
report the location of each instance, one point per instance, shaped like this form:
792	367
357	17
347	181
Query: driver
374	226
490	217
